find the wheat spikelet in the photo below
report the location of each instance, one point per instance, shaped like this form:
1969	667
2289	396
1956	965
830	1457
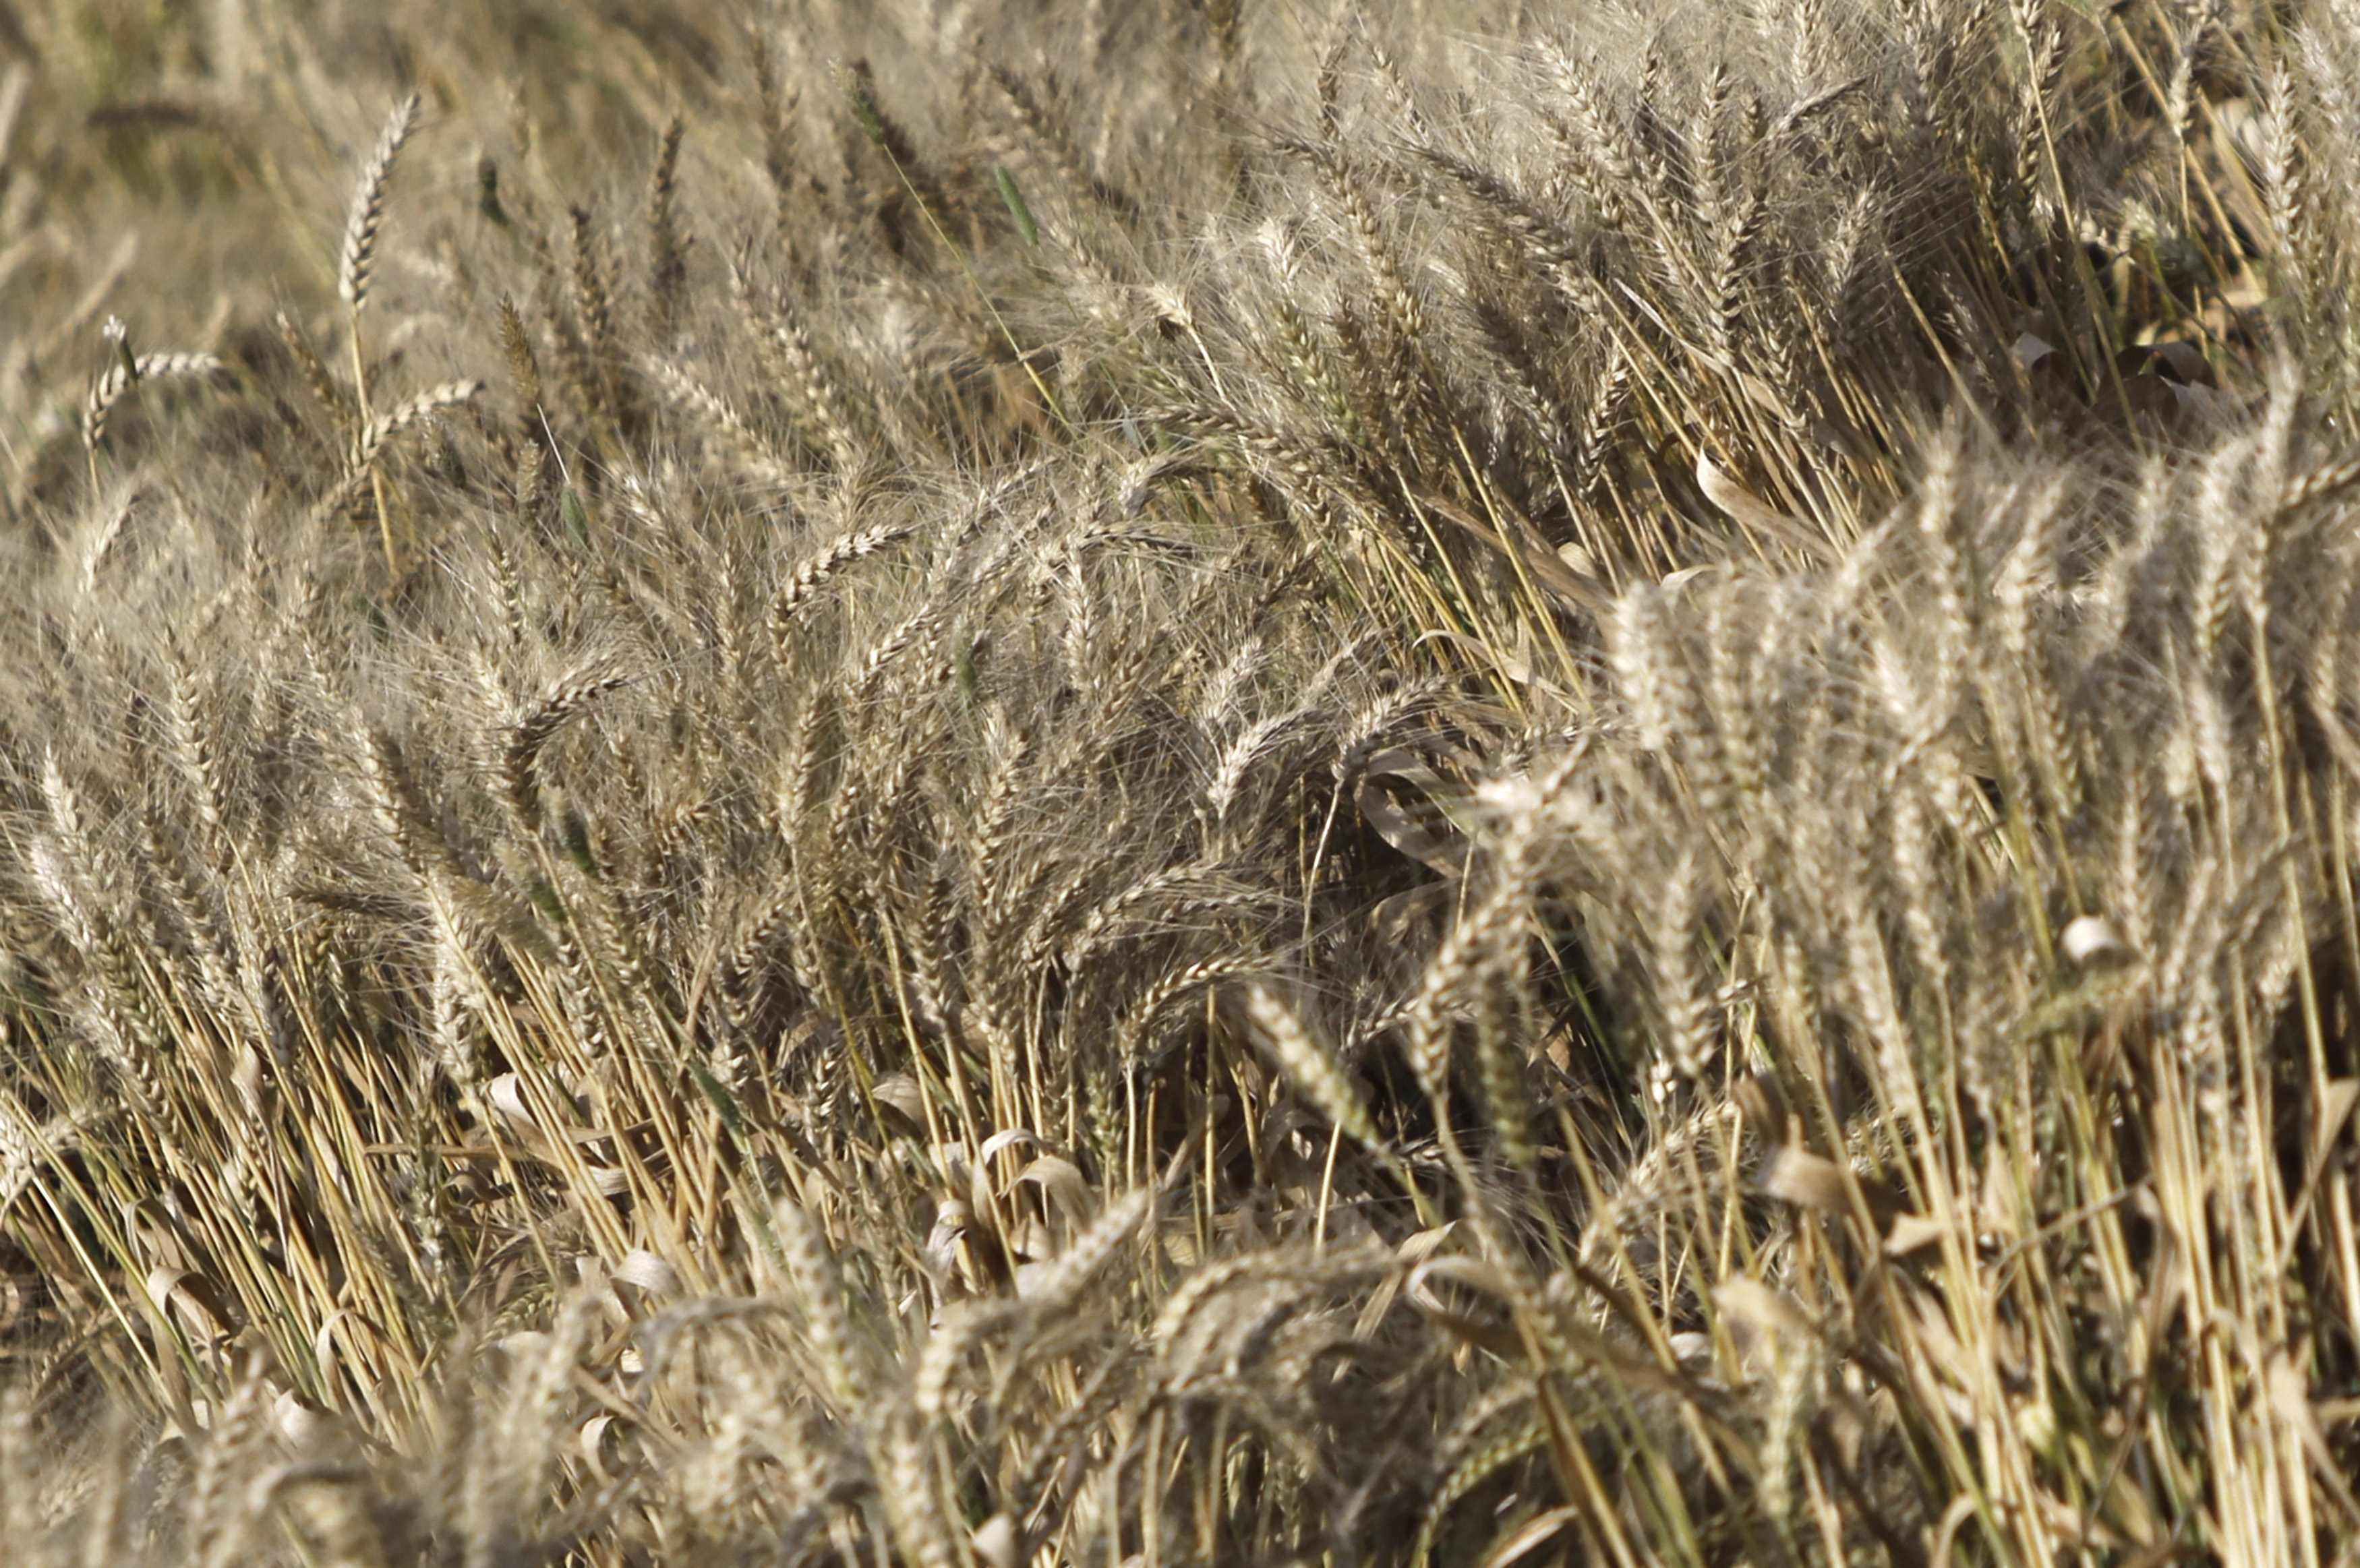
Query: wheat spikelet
1142	1016
1686	998
959	1328
1173	884
693	397
193	912
1181	1310
125	1031
1310	1068
2320	484
819	1291
361	469
1056	1285
321	381
395	809
666	250
192	718
524	370
786	343
238	1433
1485	1462
593	305
120	379
2285	191
356	263
923	1523
103	539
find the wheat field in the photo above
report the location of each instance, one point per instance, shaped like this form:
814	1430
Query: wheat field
975	784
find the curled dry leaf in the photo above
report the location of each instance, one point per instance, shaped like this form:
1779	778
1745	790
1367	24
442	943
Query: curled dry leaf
1006	1138
1751	511
1759	1317
302	1425
190	1297
644	1270
900	1093
1467	1298
1912	1233
2092	939
507	1094
594	1444
323	1342
1407	802
1809	1181
1412	919
1517	663
1530	1537
1415	1250
996	1542
1061	1183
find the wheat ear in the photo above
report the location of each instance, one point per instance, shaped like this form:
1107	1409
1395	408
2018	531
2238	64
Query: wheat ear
367	216
358	265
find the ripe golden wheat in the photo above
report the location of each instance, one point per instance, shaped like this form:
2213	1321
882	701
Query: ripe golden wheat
997	785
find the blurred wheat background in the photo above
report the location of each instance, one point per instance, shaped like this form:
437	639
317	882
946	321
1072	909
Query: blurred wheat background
1245	781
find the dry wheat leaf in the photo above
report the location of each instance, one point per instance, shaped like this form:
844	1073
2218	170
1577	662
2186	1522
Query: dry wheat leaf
1413	919
1516	664
996	1542
1489	1326
1032	1242
644	1270
1414	1250
1531	1536
591	1441
1808	1181
1062	1185
607	1180
900	1093
1749	510
507	1094
1754	1311
1005	1139
1404	799
1912	1233
188	1295
302	1425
